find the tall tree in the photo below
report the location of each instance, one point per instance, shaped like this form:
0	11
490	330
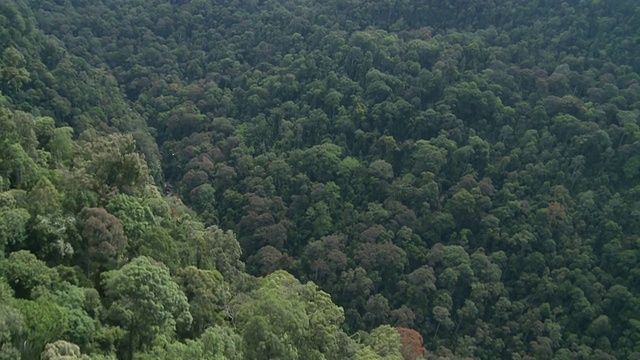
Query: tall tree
144	300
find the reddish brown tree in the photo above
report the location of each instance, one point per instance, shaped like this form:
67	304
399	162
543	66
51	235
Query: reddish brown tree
412	344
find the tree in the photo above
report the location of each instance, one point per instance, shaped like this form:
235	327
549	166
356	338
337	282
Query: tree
412	344
222	343
136	216
217	249
114	163
11	324
45	322
13	224
386	342
287	320
269	259
321	160
73	302
204	291
376	311
62	350
28	276
158	244
216	343
421	286
61	145
320	218
44	128
403	317
325	257
381	170
442	317
78	190
462	205
355	286
12	68
144	299
104	237
428	157
56	237
44	198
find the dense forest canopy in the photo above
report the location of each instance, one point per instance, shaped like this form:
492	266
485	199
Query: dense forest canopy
301	179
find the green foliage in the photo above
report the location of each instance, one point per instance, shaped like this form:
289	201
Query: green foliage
17	166
144	299
82	327
28	276
206	292
114	164
136	217
44	198
45	322
11	324
221	343
385	341
61	145
216	343
13	72
216	249
417	160
104	237
288	320
157	243
13	226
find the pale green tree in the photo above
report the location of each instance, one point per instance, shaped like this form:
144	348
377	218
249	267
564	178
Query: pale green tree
144	300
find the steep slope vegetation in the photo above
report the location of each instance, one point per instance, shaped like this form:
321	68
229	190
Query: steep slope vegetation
468	169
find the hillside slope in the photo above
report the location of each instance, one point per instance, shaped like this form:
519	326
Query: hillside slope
467	169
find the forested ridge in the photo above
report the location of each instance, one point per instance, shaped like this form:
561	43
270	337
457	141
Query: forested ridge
298	179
